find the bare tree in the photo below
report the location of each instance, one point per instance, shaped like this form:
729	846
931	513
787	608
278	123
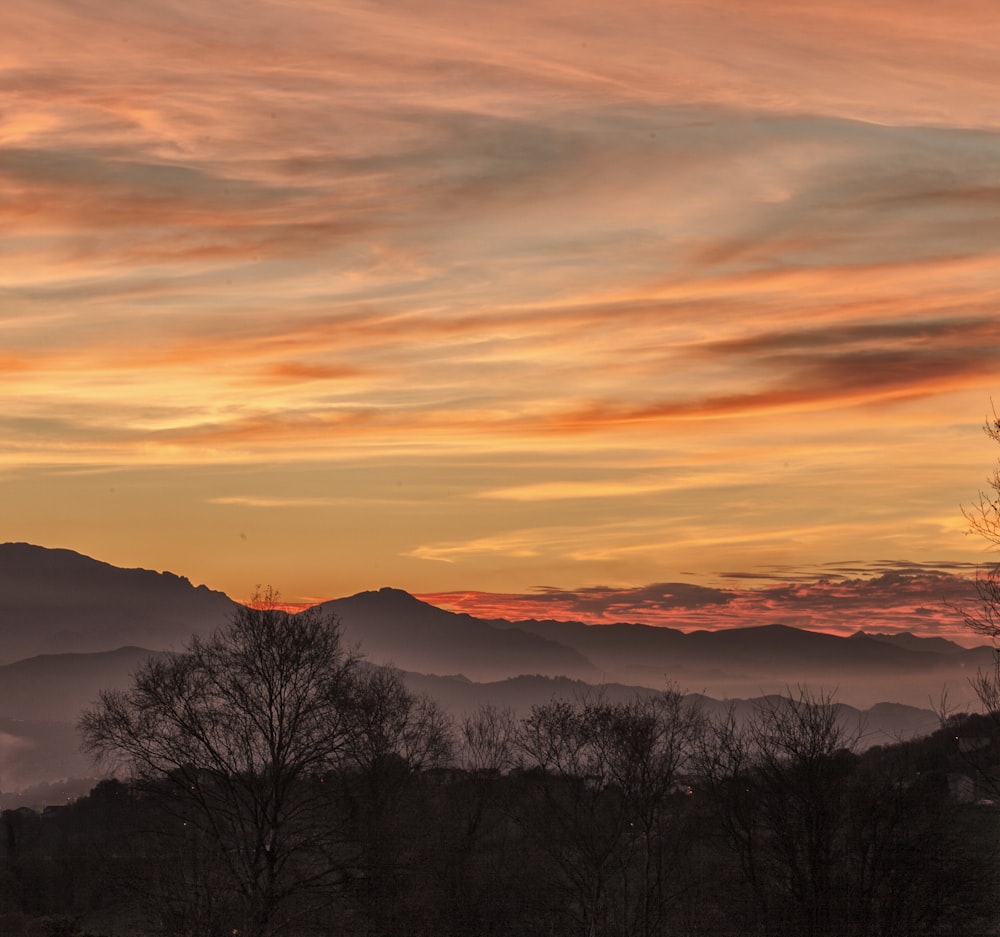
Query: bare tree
387	724
393	735
817	836
487	740
983	517
235	734
603	774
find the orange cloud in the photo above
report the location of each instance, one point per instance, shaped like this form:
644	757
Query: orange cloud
907	598
533	261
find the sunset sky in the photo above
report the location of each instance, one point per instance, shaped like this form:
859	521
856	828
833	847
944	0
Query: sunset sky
525	307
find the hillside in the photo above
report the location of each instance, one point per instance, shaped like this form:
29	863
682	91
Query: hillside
393	627
54	601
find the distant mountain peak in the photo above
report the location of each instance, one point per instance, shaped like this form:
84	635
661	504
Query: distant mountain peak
385	592
399	595
392	626
389	599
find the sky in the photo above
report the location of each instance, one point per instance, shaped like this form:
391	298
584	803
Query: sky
683	312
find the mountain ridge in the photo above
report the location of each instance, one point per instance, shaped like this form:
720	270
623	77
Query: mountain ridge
75	603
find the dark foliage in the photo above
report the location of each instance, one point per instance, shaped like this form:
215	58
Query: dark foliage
585	819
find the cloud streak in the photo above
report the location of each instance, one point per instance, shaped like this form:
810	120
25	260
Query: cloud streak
604	301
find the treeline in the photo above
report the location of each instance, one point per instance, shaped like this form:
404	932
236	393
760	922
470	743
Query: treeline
280	786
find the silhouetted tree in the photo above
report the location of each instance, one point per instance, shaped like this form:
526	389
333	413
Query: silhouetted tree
473	851
232	736
778	777
486	740
602	775
832	843
391	736
984	519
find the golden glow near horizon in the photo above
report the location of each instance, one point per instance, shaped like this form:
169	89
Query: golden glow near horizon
481	296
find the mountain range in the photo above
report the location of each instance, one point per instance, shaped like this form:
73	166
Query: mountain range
71	626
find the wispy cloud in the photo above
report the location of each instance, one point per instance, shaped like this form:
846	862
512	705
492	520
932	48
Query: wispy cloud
617	309
259	502
522	544
612	488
